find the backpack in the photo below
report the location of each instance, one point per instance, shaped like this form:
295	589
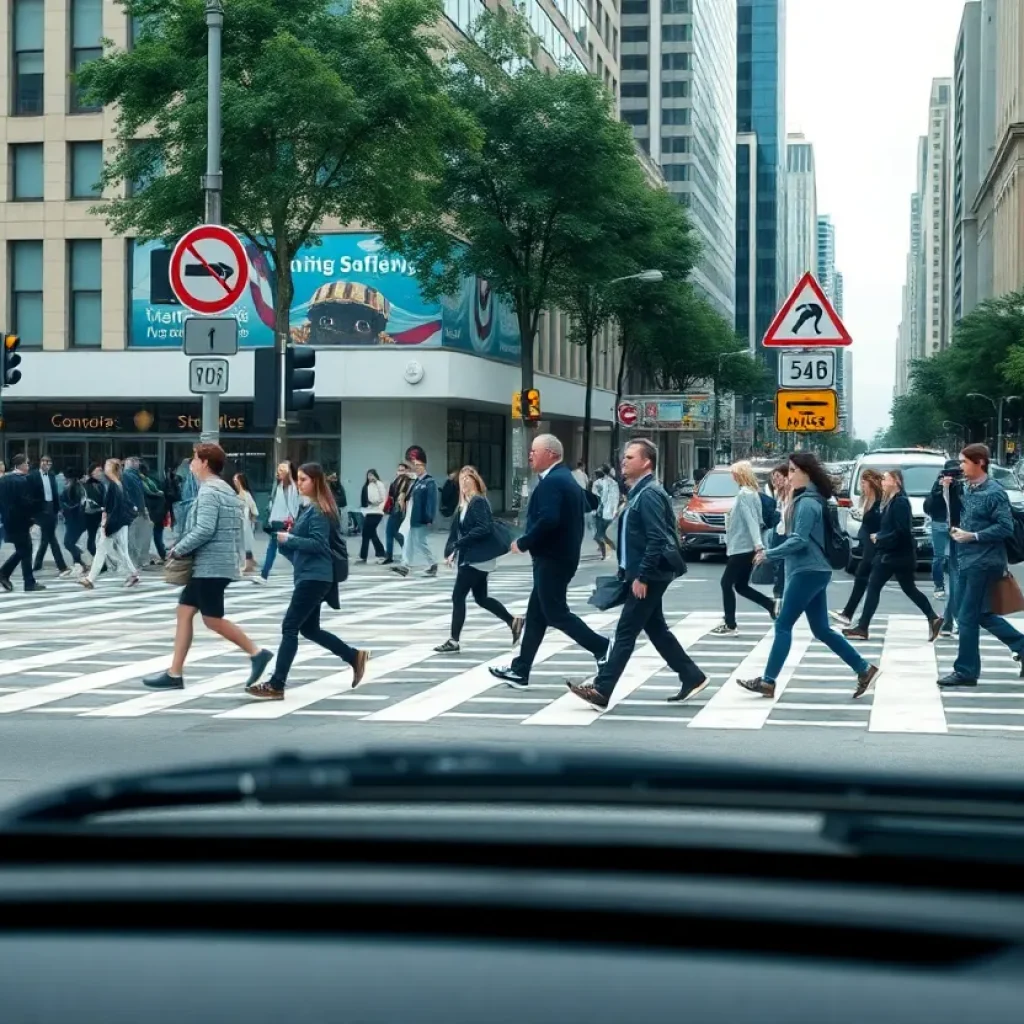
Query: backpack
837	544
1015	542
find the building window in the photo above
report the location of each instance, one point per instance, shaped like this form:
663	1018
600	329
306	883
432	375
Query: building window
85	269
675	115
675	90
675	61
634	7
86	168
676	172
27	85
25	260
677	33
634	90
86	33
676	6
478	439
675	144
635	117
27	171
634	34
634	62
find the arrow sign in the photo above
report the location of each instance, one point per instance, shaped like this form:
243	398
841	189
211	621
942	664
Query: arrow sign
209	269
221	270
805	411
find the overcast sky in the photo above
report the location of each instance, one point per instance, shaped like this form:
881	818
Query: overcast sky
858	78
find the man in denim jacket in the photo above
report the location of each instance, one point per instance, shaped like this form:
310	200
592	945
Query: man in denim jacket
985	525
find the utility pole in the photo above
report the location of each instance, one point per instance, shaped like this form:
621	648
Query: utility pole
213	180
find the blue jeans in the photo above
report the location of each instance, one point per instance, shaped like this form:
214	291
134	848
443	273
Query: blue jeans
940	546
806	594
973	615
391	534
953	587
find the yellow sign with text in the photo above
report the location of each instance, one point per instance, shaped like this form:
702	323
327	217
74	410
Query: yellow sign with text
806	411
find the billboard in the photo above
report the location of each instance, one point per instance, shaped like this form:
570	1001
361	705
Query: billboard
349	291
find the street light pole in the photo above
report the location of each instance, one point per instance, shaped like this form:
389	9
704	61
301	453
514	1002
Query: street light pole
213	180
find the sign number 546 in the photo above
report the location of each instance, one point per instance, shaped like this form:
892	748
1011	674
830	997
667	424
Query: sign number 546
807	369
208	376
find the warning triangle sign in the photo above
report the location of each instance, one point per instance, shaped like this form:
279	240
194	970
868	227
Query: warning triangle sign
807	320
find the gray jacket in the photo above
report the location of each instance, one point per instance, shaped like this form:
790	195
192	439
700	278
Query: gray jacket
985	510
804	547
743	524
213	532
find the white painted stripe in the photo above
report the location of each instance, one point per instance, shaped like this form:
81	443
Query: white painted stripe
732	707
644	663
827	724
906	697
474	682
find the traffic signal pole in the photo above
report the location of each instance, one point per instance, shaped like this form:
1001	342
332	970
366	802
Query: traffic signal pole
213	180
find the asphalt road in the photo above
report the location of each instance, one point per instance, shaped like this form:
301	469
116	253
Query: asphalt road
72	707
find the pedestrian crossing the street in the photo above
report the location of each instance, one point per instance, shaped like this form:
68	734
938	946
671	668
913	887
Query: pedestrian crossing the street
64	652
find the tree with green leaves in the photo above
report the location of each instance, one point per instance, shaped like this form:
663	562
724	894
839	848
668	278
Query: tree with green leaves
325	115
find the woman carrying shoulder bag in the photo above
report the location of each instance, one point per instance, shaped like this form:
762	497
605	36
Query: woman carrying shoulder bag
114	523
475	546
309	546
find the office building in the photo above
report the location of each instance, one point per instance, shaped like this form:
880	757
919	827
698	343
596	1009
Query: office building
826	268
910	338
801	209
678	92
966	163
936	211
761	283
102	366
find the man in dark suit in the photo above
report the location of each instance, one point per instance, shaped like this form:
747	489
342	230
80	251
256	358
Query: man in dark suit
649	559
554	534
46	507
16	507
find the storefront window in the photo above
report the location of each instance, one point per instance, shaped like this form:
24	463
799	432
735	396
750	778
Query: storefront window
478	439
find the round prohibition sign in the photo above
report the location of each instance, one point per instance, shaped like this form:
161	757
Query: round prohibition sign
209	269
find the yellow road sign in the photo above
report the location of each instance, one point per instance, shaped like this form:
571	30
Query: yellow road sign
805	411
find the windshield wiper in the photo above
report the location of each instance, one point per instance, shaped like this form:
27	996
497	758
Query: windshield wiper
862	811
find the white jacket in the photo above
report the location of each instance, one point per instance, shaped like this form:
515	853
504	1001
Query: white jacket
376	495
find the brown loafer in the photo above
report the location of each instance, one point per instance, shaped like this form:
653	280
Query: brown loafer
359	667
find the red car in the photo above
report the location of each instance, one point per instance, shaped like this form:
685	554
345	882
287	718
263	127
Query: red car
702	522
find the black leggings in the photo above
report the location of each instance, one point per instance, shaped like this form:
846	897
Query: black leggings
860	584
880	575
736	580
475	581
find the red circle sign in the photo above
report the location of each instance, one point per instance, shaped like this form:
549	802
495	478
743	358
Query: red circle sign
628	414
209	269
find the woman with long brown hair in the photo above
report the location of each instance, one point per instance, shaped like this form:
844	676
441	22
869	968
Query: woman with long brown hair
308	546
870	515
808	574
473	544
896	556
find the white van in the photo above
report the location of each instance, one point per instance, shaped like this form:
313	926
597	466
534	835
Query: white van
920	468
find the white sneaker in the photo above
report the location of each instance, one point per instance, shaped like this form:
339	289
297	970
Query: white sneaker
843	620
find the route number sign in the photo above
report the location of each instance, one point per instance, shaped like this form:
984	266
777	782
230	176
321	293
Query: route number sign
803	370
208	376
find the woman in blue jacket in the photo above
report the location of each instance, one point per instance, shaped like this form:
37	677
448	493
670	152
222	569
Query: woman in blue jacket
307	545
473	544
808	575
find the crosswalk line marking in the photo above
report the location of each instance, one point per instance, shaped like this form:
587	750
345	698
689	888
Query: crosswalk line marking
446	696
645	662
826	723
732	707
906	697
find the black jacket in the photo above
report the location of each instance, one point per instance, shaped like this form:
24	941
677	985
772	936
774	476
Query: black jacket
16	502
35	483
935	503
554	518
120	511
871	523
895	541
651	538
472	535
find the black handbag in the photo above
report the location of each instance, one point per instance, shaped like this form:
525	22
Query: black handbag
609	592
339	555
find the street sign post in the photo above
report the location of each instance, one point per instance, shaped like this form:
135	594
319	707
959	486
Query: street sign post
211	336
811	369
807	319
807	411
209	269
628	414
208	376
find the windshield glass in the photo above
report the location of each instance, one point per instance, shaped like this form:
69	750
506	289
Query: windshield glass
718	485
1005	477
917	480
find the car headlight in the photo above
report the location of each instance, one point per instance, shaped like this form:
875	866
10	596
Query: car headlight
691	517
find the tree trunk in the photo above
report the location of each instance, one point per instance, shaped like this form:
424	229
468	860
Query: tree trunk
284	292
620	381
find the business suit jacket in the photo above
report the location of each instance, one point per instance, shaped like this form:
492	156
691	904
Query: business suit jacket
650	537
554	519
35	482
16	502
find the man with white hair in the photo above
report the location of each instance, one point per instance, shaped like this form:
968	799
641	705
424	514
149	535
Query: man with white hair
554	535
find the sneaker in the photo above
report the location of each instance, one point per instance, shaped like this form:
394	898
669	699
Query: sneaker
685	692
258	664
509	677
856	633
164	681
448	647
399	570
587	691
724	630
864	681
265	691
758	685
841	618
432	571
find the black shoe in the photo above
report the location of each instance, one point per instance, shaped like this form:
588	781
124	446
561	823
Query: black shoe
954	680
507	676
432	571
6	583
34	588
259	662
164	681
688	690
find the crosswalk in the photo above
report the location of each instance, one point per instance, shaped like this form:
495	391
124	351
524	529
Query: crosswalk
68	653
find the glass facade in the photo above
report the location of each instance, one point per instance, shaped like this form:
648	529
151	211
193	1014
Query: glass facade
761	110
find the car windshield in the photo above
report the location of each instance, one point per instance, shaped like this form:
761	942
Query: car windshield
917	480
718	485
1004	476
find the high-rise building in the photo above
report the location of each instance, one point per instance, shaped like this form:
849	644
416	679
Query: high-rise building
801	209
832	285
966	163
678	66
936	211
761	164
910	340
982	201
825	271
844	365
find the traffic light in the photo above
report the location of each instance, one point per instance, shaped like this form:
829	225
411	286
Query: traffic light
9	360
517	405
532	404
266	392
299	377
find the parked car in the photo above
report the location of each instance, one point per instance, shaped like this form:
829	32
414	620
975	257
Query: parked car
702	522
